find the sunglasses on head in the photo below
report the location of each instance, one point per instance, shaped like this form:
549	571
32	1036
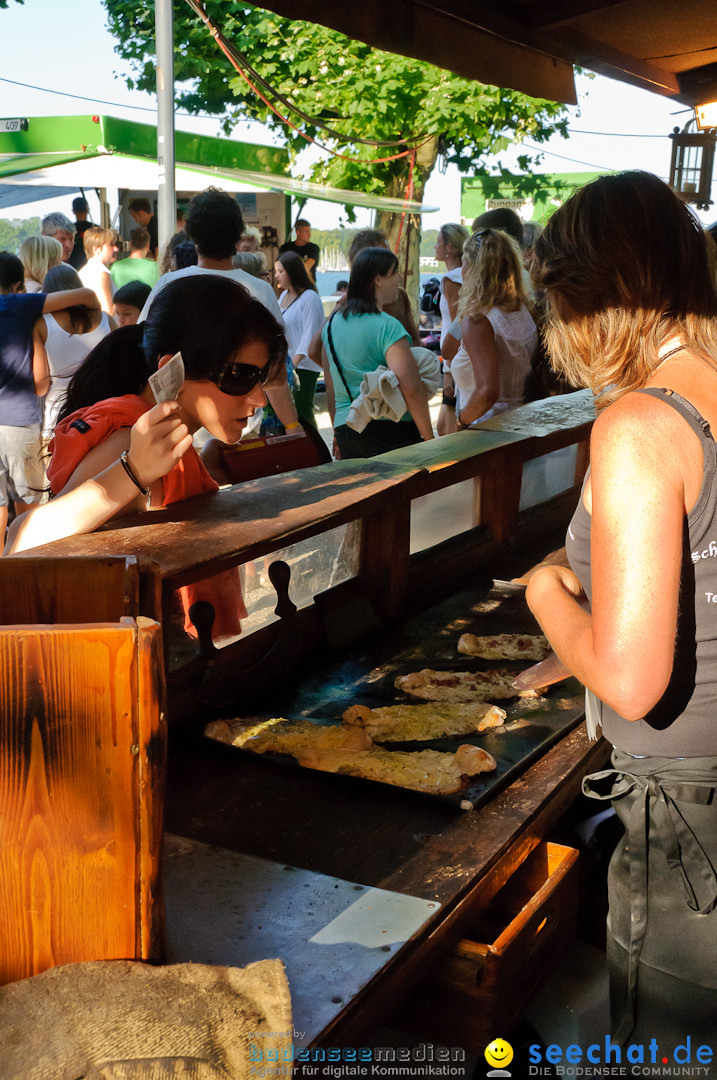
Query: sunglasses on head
238	379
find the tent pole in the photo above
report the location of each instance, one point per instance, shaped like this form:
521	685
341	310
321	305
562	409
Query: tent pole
166	194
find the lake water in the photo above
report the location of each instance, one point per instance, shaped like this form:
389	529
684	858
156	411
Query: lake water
327	280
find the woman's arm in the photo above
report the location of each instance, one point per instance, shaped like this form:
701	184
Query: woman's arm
315	350
71	298
479	343
105	293
451	290
624	650
311	311
405	368
156	443
329	384
40	365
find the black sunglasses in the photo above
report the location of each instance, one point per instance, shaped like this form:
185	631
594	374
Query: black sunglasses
238	379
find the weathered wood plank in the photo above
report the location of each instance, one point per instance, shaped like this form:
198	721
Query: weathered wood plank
72	849
46	590
190	540
152	768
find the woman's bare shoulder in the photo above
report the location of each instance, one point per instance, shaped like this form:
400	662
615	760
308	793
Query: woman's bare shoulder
641	431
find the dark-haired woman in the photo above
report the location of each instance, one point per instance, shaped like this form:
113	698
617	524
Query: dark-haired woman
358	340
303	318
120	453
68	336
633	315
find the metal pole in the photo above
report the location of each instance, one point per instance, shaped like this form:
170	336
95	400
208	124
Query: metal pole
166	194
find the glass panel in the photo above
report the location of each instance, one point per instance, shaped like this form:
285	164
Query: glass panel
315	565
443	514
546	476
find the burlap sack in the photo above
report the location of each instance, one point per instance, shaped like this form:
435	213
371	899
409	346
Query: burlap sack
120	1020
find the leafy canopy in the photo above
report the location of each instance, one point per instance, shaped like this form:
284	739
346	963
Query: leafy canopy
355	89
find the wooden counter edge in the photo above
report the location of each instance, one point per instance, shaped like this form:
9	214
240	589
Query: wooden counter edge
496	839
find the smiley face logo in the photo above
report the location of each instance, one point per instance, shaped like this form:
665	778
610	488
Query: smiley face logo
499	1053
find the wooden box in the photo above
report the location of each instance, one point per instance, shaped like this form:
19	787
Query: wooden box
481	990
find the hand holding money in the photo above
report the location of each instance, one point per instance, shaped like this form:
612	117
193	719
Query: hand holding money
167	381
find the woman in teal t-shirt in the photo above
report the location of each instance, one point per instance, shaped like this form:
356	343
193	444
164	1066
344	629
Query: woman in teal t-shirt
358	340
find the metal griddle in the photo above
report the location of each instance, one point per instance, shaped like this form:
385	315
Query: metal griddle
366	676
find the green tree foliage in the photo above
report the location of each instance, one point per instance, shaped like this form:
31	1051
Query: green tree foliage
14	230
357	90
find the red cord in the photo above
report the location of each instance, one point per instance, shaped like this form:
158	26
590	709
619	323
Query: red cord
284	120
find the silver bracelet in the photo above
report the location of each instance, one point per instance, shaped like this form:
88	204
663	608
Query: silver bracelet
124	460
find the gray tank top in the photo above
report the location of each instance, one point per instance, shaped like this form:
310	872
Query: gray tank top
684	721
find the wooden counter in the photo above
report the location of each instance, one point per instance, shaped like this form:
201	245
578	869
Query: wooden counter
131	569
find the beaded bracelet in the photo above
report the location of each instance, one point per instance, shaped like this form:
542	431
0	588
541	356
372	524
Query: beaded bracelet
124	459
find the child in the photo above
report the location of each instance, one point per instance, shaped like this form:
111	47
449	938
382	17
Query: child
129	301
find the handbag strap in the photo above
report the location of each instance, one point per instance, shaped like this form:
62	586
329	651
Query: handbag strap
335	357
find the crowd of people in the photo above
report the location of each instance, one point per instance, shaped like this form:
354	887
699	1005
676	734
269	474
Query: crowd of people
627	308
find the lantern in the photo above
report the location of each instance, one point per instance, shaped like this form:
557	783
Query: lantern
691	166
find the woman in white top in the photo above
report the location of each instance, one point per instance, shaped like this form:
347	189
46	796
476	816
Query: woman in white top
101	251
449	249
68	336
499	335
38	254
303	318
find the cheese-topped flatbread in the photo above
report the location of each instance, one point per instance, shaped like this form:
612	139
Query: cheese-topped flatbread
429	771
505	646
431	685
280	736
352	752
420	723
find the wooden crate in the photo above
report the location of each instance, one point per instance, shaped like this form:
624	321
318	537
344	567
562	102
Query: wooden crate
481	990
82	764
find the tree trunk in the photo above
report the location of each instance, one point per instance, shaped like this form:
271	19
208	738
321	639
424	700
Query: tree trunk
404	230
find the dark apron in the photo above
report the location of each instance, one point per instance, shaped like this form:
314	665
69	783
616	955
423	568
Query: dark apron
662	889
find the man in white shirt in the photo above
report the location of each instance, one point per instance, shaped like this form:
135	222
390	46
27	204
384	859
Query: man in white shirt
214	222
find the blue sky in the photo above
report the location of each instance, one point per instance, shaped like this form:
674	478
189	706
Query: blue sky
64	49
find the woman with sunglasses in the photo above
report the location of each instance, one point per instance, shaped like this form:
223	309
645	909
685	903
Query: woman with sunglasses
633	316
303	318
357	340
499	335
117	453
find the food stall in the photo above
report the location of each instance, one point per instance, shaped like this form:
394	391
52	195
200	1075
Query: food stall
379	566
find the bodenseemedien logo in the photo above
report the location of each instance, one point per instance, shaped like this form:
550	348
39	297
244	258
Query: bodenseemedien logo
498	1054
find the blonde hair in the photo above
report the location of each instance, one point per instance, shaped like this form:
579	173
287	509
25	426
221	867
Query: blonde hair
455	236
492	274
38	254
626	268
250	231
97	237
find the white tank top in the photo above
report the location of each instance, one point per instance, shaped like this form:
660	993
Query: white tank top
65	354
516	338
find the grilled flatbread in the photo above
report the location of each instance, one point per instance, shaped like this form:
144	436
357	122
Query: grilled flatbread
280	736
428	771
466	686
351	751
420	723
505	646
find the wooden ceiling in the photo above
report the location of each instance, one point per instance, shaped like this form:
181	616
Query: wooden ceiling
667	46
